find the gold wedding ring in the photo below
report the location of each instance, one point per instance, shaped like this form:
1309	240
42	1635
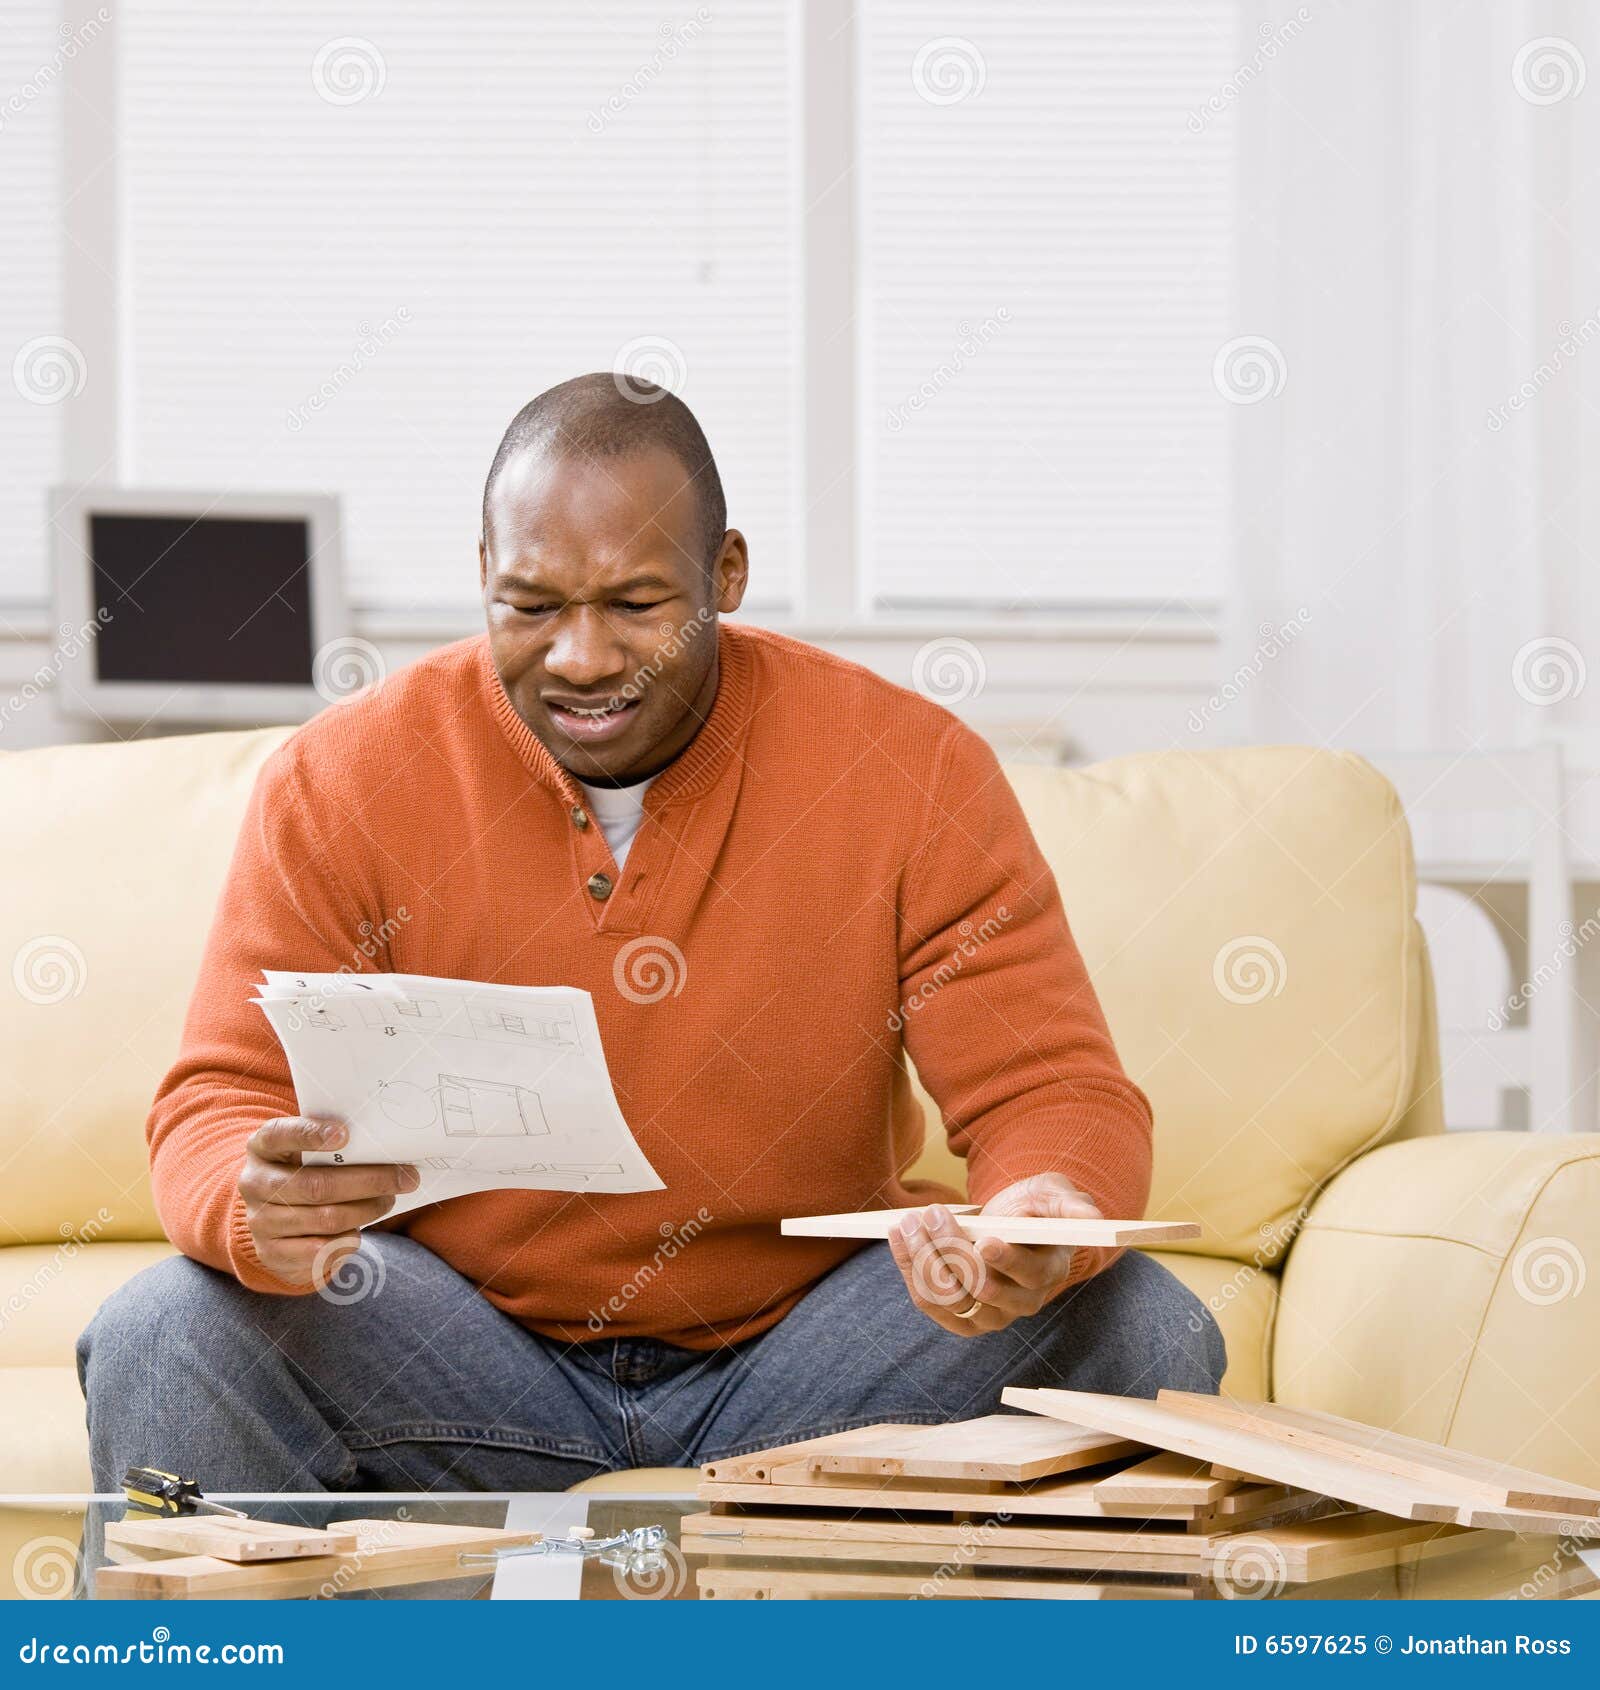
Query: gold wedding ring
967	1314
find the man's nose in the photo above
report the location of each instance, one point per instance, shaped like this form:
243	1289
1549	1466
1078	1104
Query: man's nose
585	651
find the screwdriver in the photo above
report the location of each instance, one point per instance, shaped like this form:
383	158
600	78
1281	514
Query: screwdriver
165	1493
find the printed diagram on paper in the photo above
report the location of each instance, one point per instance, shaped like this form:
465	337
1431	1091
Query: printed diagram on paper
481	1087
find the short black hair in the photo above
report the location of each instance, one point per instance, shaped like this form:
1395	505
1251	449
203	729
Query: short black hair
602	415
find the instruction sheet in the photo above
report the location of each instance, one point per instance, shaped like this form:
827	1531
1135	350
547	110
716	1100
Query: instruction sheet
481	1087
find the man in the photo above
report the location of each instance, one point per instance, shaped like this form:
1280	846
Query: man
835	868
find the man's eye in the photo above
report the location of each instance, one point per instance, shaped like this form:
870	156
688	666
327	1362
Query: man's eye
533	609
634	605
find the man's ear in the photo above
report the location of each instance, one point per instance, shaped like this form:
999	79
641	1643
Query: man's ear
731	572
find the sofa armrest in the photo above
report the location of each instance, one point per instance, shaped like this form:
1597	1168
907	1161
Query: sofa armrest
1440	1287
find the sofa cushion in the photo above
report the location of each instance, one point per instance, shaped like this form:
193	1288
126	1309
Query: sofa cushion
49	1293
1442	1287
110	865
1247	919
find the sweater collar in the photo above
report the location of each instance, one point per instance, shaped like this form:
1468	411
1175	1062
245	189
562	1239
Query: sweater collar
698	767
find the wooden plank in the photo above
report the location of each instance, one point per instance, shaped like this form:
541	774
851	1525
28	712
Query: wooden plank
1242	1450
421	1549
1011	1447
232	1540
1472	1478
1110	1539
1249	1500
1530	1521
1069	1498
776	1584
911	1552
755	1467
1164	1478
1010	1229
1309	1551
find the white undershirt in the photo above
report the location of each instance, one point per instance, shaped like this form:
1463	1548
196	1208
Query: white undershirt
619	810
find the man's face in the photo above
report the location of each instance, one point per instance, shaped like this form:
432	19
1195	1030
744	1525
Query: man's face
602	612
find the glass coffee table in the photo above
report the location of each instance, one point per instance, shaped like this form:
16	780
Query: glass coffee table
53	1547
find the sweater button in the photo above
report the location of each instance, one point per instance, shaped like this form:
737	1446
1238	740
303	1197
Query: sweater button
580	816
599	886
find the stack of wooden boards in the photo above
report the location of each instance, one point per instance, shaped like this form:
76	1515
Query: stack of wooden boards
1185	1485
218	1555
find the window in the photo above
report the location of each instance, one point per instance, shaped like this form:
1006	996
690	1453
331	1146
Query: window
1046	258
359	237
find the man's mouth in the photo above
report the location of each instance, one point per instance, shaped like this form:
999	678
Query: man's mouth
592	723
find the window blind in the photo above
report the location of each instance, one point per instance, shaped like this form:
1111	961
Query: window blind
40	370
1046	211
359	237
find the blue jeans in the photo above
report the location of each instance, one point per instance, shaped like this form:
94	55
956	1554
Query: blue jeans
424	1384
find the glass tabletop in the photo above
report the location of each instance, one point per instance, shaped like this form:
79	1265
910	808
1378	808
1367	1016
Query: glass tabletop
54	1547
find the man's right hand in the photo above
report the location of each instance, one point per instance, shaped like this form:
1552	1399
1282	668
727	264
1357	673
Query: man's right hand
304	1221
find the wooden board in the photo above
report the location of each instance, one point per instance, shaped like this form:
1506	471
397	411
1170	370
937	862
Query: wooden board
1067	1497
911	1551
1010	1229
418	1549
778	1584
232	1540
1108	1540
1471	1478
756	1466
1306	1552
1164	1478
1240	1449
1011	1447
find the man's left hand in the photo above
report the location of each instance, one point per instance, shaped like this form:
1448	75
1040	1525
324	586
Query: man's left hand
949	1274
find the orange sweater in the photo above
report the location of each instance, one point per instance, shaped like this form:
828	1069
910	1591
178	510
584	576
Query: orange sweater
837	860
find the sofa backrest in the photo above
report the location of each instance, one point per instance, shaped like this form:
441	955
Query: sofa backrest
1246	916
110	864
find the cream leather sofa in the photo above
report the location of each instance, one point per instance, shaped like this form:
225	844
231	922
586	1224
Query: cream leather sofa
1247	917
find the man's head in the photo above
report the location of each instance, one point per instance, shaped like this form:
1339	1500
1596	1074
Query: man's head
605	560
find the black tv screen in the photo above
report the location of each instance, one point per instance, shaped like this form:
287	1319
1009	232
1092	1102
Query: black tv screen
213	601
